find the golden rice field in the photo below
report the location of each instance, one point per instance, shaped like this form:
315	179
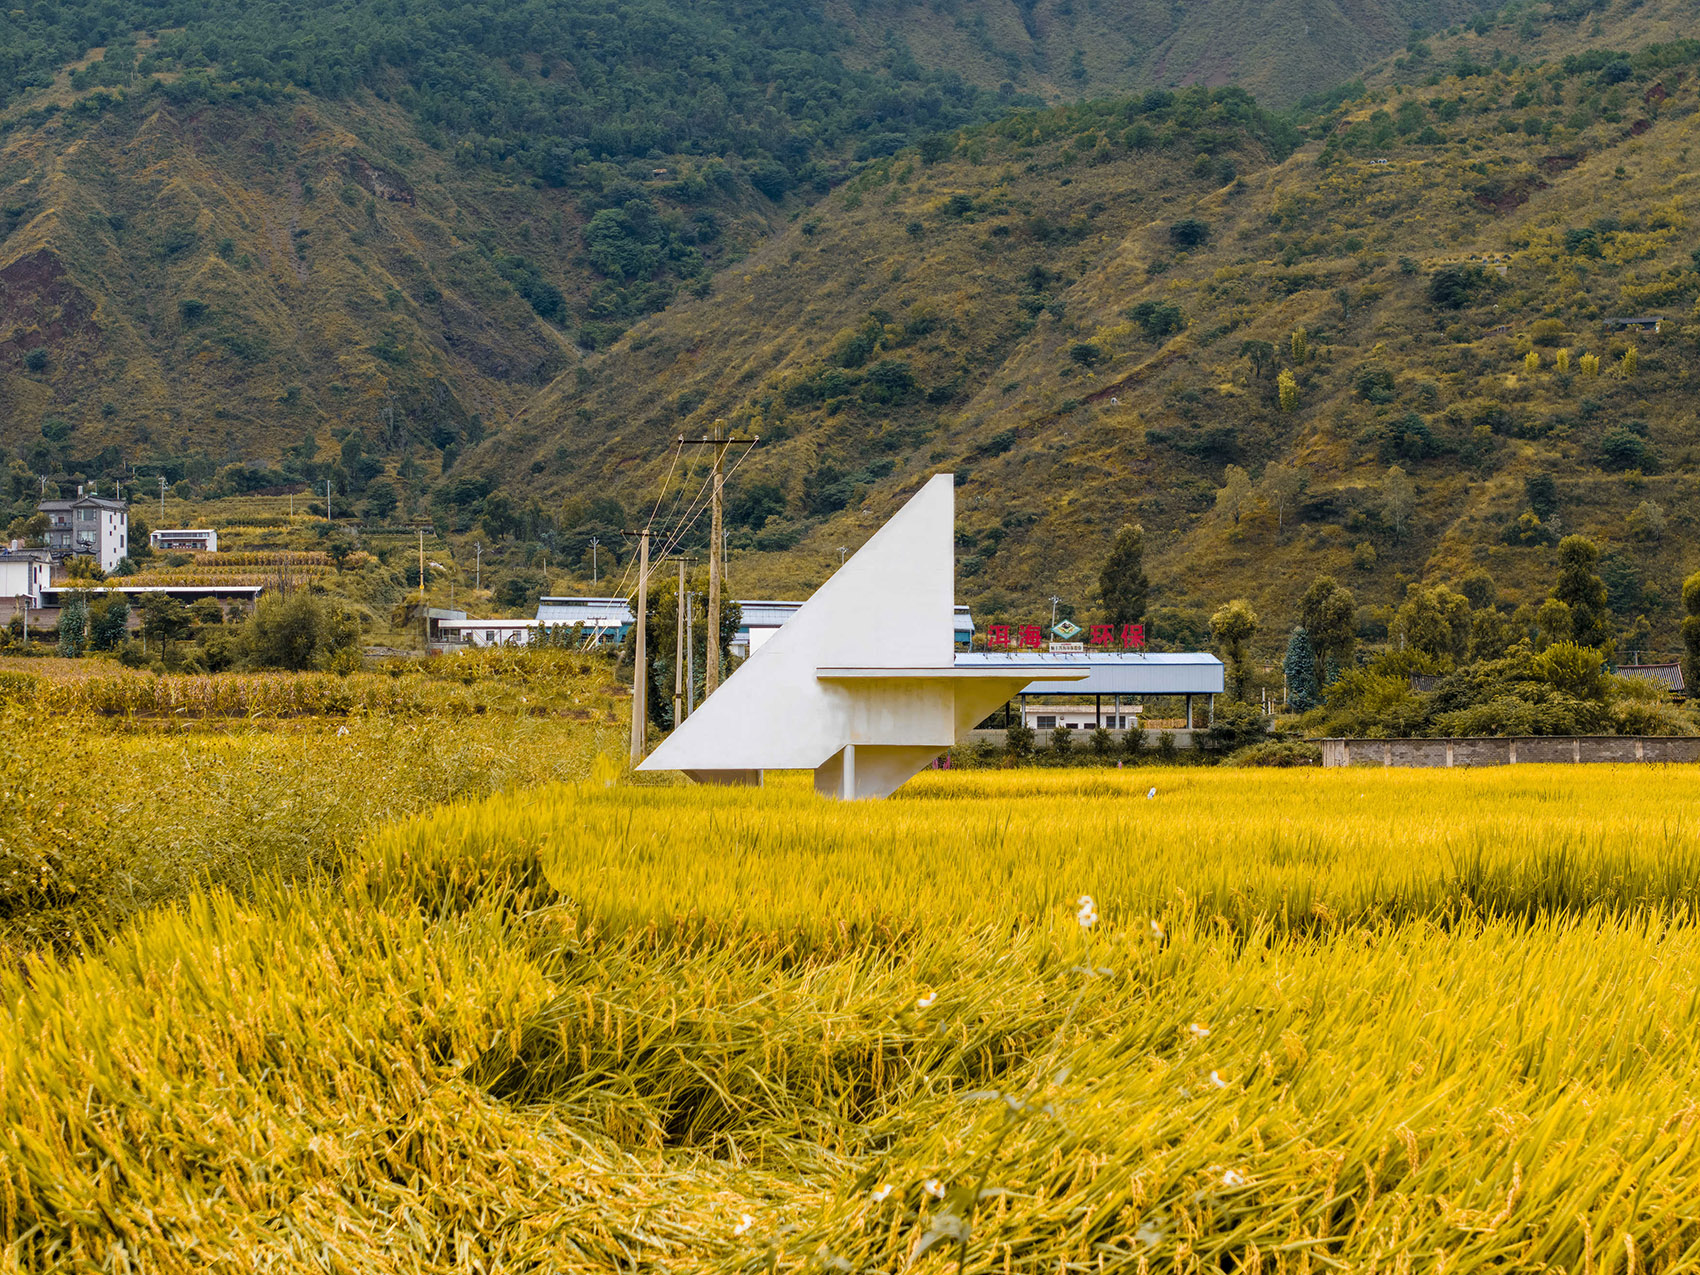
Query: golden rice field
1367	1021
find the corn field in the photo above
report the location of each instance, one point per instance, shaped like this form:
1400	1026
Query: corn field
467	684
1005	1021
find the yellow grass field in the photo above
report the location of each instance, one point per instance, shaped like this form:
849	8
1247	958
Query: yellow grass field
1366	1020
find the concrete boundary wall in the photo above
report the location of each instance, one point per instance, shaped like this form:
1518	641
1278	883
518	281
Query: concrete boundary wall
1510	750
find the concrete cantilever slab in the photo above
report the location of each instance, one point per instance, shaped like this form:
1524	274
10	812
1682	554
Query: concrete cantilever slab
860	685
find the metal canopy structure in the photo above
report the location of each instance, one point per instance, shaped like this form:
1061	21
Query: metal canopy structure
1134	673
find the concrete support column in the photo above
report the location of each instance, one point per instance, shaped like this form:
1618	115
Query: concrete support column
849	772
1189	710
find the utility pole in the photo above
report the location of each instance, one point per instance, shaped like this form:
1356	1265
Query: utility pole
478	566
593	543
424	625
714	542
161	497
679	651
690	655
327	500
716	546
640	674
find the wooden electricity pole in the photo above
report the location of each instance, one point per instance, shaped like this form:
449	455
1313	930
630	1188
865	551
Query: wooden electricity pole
640	673
714	542
716	547
679	650
424	623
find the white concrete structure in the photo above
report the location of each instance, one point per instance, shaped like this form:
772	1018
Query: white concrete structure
188	539
861	685
89	526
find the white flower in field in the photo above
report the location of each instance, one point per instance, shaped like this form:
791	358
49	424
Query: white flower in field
934	1188
1199	1030
922	1002
1150	795
1087	916
341	731
1233	1178
744	1224
1217	1081
1156	930
1085	901
883	1193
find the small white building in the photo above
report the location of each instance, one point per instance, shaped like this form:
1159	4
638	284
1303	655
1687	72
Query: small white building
24	574
90	527
498	632
1088	717
189	539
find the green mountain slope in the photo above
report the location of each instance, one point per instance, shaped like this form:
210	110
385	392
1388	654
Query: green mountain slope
1065	49
1085	313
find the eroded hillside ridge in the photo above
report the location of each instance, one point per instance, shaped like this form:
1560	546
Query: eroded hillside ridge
1090	314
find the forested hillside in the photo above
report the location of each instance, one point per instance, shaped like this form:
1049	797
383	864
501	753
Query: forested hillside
405	252
1385	356
1064	49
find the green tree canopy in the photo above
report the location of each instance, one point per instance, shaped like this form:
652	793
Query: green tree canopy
1122	584
1233	626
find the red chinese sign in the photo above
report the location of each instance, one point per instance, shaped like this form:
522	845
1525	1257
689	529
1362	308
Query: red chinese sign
1030	637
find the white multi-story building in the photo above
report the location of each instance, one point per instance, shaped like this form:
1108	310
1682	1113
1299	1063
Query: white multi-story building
89	526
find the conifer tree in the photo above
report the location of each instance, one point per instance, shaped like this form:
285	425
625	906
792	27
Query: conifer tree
73	626
1299	669
1691	633
1122	584
1580	588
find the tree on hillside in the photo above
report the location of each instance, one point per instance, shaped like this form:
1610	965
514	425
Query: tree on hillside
1287	390
1280	486
1435	621
1234	494
1262	357
1580	588
1122	585
1691	634
1398	500
1234	625
1299	670
1328	613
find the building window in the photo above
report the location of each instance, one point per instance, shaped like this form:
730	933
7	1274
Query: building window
1045	723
